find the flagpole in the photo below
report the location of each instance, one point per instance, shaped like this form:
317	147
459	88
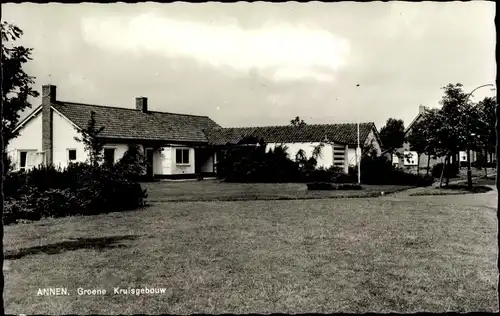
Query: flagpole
358	151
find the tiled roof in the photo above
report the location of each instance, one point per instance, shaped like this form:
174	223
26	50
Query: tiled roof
122	123
338	133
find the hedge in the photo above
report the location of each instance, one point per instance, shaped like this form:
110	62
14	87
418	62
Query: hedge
76	190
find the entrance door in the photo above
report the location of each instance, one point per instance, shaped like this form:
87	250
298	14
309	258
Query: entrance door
149	163
197	160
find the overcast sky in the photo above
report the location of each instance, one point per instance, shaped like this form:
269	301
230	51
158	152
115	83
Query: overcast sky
253	64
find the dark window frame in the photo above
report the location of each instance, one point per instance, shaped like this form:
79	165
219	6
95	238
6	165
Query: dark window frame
184	156
69	154
105	158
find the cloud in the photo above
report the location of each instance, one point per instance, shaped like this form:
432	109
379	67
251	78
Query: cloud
281	51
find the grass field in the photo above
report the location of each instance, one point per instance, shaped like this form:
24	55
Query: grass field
213	190
408	254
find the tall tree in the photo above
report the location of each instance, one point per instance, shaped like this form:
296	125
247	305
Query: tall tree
421	139
485	140
297	122
449	128
455	119
16	83
392	135
90	137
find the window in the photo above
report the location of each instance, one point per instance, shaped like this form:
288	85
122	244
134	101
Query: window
182	156
28	159
463	156
23	155
71	154
410	158
109	156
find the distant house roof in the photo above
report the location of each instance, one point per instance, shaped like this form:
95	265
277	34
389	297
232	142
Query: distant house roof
421	111
415	120
125	123
338	133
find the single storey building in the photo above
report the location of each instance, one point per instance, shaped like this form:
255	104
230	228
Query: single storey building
175	145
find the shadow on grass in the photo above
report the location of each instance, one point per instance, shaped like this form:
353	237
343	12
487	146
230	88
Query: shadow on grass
79	243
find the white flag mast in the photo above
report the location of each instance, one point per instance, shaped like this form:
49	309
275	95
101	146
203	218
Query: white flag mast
358	151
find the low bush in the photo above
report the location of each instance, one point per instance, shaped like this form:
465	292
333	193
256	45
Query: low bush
13	185
251	163
333	174
76	190
450	171
43	178
333	186
379	171
16	210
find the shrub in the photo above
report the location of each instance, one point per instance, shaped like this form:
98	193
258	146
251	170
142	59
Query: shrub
379	171
450	171
44	178
78	189
16	210
52	202
13	184
399	177
333	174
251	163
107	190
333	186
132	164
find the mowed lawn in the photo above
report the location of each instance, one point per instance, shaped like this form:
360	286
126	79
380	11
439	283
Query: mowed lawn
400	254
215	190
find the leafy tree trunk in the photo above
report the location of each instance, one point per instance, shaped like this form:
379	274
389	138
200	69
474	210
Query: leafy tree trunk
442	171
447	175
428	163
418	163
486	163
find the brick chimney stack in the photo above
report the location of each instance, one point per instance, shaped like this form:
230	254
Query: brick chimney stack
421	109
141	104
49	93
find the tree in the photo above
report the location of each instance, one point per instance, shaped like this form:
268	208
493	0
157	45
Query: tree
297	122
133	162
448	128
420	140
392	135
454	119
485	139
16	83
94	145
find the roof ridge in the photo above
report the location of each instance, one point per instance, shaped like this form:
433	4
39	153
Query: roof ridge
131	109
291	126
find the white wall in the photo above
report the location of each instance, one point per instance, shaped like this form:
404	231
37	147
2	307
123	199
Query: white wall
325	159
463	156
64	134
164	161
120	149
64	139
370	139
30	138
182	169
410	158
351	156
